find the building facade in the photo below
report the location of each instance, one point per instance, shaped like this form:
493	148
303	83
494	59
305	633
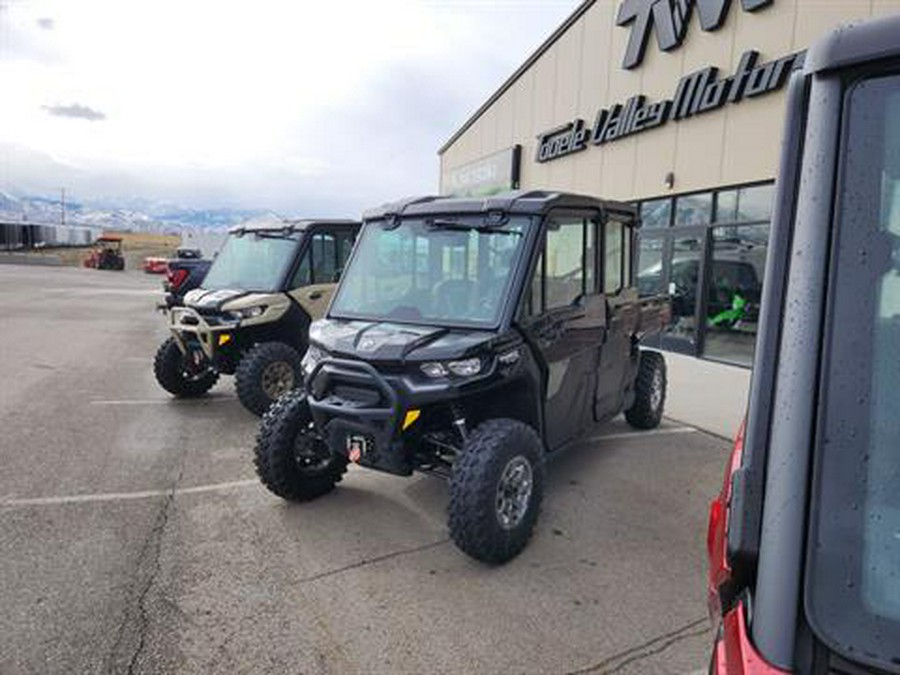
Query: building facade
678	106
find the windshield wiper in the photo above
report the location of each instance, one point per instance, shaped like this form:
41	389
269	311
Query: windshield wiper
458	226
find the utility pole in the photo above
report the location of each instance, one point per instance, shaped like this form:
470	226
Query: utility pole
62	204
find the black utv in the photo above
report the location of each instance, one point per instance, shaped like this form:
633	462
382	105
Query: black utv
470	339
251	315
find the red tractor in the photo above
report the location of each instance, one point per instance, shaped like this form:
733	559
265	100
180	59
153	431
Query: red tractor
107	254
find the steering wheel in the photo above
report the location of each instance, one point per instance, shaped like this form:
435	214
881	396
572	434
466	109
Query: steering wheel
404	312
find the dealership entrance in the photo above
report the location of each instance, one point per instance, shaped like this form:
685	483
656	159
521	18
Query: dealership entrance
707	251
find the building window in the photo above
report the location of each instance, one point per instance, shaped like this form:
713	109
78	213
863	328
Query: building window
714	274
656	213
734	291
745	205
650	266
694	209
685	268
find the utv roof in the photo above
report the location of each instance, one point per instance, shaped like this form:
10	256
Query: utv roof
296	225
855	43
535	202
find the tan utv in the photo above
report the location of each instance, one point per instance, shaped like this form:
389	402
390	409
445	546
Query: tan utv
250	317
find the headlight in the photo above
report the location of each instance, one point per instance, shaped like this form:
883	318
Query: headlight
249	312
311	358
434	369
463	368
466	367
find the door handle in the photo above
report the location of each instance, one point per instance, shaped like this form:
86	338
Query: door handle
314	295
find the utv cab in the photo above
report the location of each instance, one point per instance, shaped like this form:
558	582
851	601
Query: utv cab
804	538
470	339
251	316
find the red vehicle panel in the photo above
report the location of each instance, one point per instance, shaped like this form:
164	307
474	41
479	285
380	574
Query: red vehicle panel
155	265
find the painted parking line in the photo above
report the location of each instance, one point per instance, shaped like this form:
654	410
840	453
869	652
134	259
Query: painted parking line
238	484
644	434
127	496
100	290
161	401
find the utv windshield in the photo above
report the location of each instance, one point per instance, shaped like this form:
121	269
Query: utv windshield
442	271
853	584
253	261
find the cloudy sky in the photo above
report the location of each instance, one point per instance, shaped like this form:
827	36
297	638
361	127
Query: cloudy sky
306	107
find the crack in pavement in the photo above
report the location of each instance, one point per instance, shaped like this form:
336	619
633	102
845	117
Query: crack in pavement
371	561
661	648
644	650
149	555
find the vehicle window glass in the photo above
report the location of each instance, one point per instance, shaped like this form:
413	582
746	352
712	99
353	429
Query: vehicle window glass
302	275
590	256
253	261
534	292
853	588
612	268
564	253
455	271
324	260
345	246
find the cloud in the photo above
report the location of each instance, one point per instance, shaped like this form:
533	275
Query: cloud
293	107
25	38
75	111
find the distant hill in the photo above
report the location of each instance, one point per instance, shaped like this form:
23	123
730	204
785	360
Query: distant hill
135	215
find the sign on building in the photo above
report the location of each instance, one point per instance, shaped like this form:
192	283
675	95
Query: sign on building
669	19
485	176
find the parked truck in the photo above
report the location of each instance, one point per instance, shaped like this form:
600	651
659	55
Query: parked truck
183	274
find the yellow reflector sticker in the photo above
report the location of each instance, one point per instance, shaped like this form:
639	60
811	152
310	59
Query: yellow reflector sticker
411	416
224	339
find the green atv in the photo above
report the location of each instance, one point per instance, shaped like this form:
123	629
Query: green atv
251	315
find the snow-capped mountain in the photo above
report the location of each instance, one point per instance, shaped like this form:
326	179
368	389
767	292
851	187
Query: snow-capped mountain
135	215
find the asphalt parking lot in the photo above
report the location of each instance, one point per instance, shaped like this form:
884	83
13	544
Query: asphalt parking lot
135	538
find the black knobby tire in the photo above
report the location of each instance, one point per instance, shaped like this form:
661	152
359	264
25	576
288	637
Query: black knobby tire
649	392
173	375
254	374
492	449
276	457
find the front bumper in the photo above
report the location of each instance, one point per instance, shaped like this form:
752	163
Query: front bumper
352	400
193	330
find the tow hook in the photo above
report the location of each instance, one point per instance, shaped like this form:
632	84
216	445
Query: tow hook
460	424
